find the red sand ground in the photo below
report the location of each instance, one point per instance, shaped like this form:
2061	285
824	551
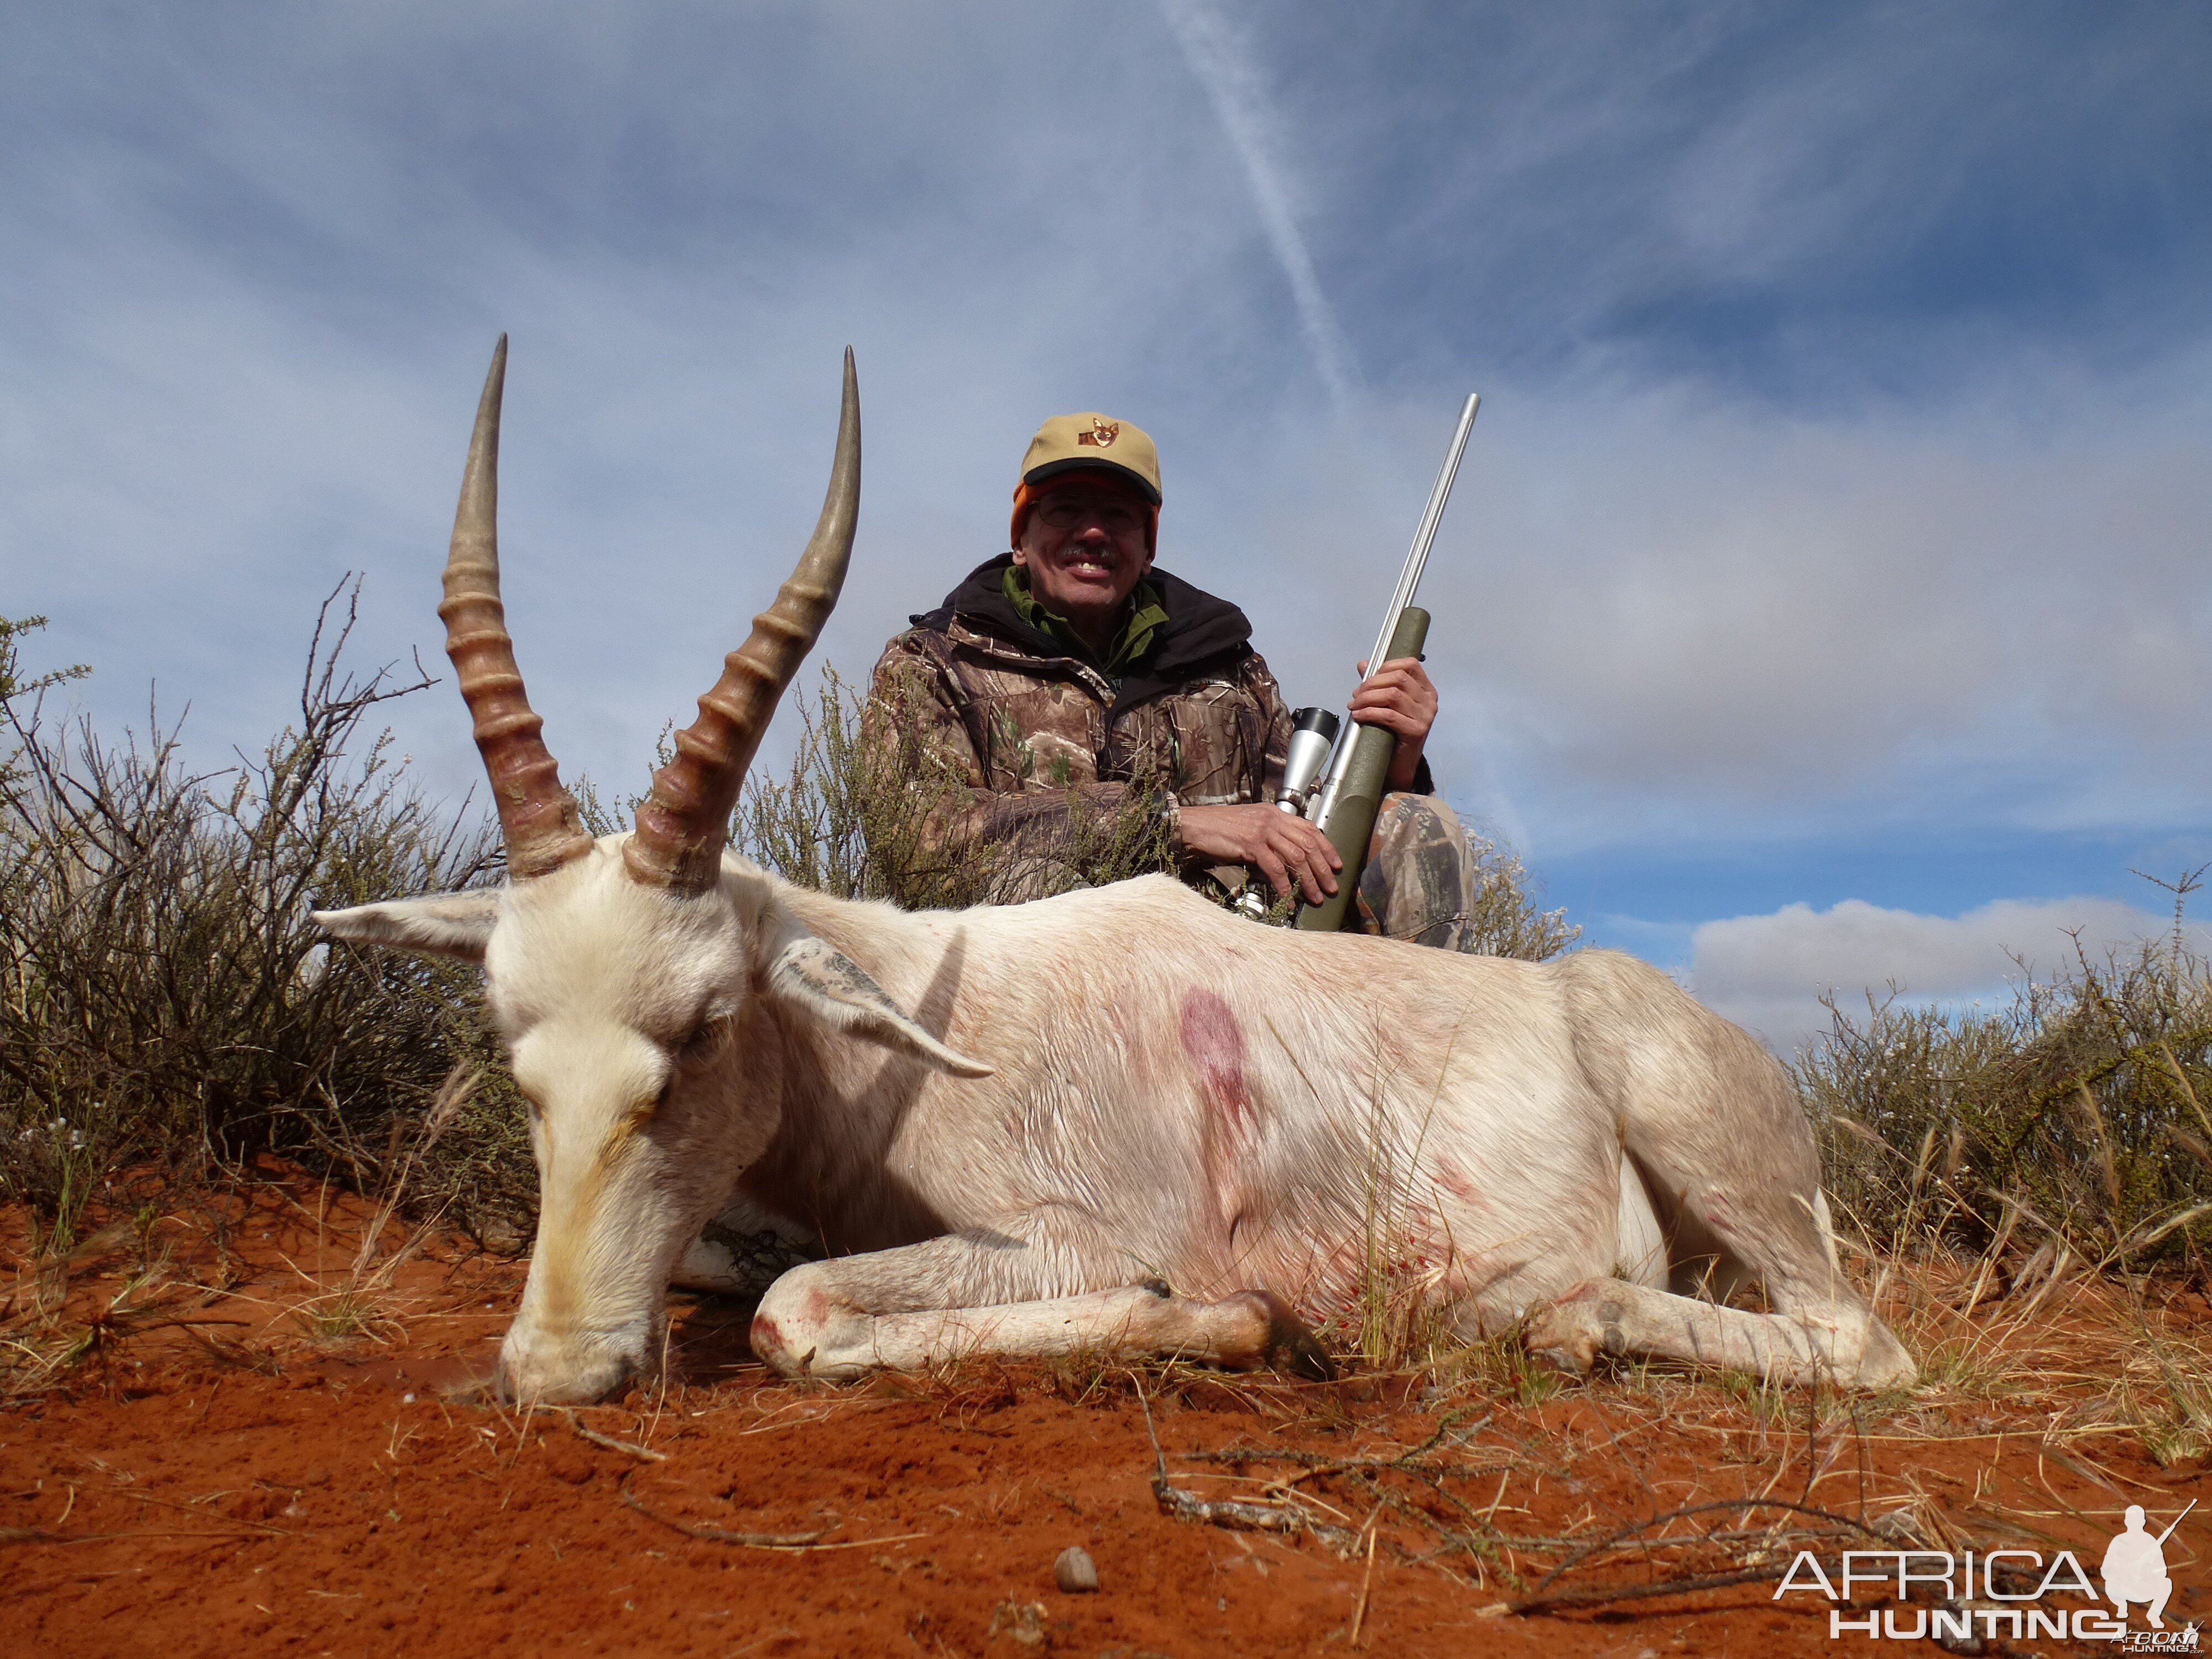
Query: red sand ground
194	1487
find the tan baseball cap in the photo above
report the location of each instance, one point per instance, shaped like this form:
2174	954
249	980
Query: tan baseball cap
1090	440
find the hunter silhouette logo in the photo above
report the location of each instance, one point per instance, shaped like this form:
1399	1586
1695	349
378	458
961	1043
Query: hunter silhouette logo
1983	1595
2135	1567
1102	434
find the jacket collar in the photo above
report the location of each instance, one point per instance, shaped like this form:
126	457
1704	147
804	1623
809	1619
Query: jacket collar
1202	634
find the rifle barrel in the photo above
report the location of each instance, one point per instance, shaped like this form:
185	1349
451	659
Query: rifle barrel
1409	582
2177	1521
1409	577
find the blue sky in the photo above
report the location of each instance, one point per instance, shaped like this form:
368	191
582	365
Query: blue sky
1824	600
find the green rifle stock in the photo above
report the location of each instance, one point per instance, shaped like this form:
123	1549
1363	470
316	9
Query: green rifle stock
1359	796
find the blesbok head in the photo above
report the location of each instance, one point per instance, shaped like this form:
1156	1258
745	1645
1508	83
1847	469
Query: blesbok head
638	981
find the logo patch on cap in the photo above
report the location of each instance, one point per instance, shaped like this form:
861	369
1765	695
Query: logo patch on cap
1102	434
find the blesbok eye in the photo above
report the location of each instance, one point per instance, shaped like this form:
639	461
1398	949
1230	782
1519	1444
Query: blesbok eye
704	1040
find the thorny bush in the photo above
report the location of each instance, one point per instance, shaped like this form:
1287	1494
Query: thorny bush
165	1002
2074	1127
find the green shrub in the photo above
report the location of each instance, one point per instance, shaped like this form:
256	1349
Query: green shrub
2078	1116
165	1002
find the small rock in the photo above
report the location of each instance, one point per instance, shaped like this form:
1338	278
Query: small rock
1074	1571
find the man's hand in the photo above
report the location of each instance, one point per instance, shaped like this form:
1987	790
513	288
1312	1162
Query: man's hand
1400	697
1290	852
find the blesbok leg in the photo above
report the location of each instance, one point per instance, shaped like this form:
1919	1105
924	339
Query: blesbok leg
925	1304
1838	1344
1713	1126
1820	1330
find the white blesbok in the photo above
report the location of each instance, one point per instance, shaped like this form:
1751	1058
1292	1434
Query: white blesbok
1119	1120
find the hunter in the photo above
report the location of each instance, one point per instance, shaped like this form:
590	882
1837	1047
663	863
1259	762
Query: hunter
1064	676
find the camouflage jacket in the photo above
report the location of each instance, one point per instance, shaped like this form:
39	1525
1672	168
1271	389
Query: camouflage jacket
1042	736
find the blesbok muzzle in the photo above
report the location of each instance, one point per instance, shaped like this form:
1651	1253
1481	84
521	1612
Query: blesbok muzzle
575	1367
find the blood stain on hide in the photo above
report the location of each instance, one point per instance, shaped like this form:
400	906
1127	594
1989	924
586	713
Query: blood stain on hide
1454	1179
766	1335
1214	1043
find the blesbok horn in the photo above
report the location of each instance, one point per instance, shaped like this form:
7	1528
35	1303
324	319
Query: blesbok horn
536	816
683	824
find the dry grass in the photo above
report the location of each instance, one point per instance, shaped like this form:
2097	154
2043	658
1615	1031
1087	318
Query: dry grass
2073	1343
42	1343
1396	1319
359	1303
341	1316
2070	1129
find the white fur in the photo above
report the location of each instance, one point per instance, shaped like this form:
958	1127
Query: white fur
1045	1103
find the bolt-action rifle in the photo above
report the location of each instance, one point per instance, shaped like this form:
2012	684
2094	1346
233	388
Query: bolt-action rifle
1338	786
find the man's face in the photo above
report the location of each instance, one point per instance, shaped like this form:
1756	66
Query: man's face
1084	545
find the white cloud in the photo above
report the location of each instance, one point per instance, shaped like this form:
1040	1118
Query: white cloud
1768	973
258	265
1667	619
241	338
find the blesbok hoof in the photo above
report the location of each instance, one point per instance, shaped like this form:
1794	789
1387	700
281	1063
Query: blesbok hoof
1883	1361
1290	1345
1569	1335
1566	1358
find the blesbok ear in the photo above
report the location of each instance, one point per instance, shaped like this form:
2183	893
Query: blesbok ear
440	924
830	984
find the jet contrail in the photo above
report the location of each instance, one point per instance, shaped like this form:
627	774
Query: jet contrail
1216	56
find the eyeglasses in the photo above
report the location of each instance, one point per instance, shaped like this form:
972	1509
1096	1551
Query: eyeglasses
1115	516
